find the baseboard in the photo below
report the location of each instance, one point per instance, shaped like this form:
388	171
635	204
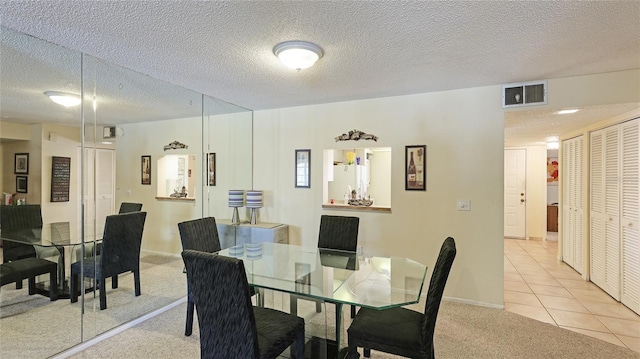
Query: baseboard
117	330
473	302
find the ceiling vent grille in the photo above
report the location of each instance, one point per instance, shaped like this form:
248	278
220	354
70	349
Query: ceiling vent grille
524	94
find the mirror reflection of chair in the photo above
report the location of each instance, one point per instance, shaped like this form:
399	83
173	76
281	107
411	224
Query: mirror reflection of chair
121	244
399	330
126	207
21	221
230	326
28	268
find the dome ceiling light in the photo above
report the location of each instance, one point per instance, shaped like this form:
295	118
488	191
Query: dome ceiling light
64	98
298	55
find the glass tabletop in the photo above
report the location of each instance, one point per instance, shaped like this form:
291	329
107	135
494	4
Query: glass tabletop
55	234
331	275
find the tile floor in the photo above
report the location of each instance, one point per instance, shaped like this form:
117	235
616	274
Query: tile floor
539	286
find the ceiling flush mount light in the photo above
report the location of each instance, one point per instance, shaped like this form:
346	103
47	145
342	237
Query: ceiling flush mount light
64	98
298	55
566	112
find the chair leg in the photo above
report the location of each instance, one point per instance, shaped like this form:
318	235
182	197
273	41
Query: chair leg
114	282
19	284
367	353
299	346
353	311
136	281
32	285
53	285
103	294
73	287
318	307
189	325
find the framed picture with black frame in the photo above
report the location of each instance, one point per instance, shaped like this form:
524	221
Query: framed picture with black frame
303	169
211	169
415	168
21	184
21	164
146	170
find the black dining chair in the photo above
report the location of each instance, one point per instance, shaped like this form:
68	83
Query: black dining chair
336	233
399	330
126	207
14	219
199	235
120	253
230	326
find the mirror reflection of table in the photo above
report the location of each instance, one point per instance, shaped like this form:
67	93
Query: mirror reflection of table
64	239
331	276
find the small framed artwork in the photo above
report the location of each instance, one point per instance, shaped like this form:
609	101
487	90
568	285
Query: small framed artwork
415	168
21	163
21	184
211	169
146	170
303	169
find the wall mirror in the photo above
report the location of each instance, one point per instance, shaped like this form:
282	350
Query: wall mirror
355	176
145	114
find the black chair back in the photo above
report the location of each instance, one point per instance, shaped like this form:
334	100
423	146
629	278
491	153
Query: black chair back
200	235
126	207
225	313
436	289
13	220
338	232
121	243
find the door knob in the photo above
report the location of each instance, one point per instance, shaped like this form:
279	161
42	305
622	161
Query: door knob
522	194
522	200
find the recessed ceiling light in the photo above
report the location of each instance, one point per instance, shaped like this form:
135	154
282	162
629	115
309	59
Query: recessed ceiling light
298	55
64	98
566	112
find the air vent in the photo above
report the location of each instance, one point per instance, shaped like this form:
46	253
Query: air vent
109	132
524	94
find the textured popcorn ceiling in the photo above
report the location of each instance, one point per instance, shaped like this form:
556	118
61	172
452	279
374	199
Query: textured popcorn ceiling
372	48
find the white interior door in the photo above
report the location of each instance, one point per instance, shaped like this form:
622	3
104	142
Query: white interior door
98	187
514	193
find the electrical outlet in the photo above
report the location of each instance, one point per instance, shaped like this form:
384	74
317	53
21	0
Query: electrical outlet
464	205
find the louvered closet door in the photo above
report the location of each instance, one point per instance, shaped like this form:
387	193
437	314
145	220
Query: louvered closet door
605	204
578	251
630	224
567	201
597	213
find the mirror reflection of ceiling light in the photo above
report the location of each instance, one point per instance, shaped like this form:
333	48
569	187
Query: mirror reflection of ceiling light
553	143
64	98
566	112
298	55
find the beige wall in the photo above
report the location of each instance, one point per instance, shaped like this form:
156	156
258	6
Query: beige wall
463	131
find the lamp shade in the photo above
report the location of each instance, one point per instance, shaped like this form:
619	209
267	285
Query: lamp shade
236	198
254	199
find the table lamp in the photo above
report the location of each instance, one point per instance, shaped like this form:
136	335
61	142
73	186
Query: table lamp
254	201
236	199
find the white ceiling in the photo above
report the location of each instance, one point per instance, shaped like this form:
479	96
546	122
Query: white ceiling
371	48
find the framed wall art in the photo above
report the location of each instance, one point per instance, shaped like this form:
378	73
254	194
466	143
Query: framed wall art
415	168
146	169
211	169
303	169
60	178
21	164
21	184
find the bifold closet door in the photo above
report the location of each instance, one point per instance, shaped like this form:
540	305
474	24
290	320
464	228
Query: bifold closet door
604	215
630	214
572	247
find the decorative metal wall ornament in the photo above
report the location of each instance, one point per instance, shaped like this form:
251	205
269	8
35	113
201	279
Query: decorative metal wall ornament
356	135
175	145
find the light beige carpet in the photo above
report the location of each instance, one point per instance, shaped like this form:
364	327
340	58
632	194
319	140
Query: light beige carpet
462	331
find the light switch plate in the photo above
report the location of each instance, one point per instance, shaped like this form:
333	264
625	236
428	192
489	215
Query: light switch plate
464	205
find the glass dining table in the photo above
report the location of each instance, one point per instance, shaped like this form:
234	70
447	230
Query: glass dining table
61	239
331	276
